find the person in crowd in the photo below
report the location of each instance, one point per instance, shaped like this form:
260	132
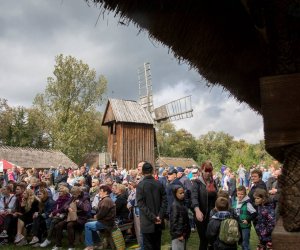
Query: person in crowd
61	177
14	174
81	182
22	174
152	202
8	202
257	182
41	218
172	182
266	174
227	172
77	210
179	220
134	211
105	217
140	169
122	212
214	225
57	214
132	175
203	198
265	219
241	172
232	188
34	184
245	213
224	194
195	175
163	179
29	206
85	174
181	176
94	190
274	189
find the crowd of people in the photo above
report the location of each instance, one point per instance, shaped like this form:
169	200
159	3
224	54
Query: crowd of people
37	206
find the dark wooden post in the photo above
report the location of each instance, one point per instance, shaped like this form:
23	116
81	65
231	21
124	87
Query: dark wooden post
280	97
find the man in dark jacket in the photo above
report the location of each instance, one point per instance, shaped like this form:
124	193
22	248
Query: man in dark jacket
152	202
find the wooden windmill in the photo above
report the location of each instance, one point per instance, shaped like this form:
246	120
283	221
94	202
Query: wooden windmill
175	110
131	133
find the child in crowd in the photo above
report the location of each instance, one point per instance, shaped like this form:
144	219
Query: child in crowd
245	213
221	193
179	220
214	226
265	219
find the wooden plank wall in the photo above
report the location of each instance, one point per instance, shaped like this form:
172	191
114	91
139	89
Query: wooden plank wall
138	144
133	143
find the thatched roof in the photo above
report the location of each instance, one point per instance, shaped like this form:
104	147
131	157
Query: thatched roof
38	158
126	111
232	43
175	162
91	159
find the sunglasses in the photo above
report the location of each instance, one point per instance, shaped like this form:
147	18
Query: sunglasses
208	170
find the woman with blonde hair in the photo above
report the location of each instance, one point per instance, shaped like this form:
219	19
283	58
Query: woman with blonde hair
29	206
41	219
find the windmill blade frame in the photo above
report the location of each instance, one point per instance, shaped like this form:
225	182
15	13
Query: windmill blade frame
175	110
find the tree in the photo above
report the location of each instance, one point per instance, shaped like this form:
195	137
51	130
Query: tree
215	146
68	106
175	143
21	127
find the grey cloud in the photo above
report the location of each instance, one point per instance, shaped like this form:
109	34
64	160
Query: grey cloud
34	32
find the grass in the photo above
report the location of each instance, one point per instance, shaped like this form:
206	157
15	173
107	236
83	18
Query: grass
193	242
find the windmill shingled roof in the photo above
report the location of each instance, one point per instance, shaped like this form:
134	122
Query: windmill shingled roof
129	111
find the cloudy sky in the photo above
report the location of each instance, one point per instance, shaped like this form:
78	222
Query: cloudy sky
34	32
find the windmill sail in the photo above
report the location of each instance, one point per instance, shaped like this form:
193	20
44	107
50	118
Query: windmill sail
172	111
175	110
145	87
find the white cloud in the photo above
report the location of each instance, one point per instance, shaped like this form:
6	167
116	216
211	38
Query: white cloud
221	114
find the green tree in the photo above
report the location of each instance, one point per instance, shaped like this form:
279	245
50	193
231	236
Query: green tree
214	146
21	127
175	143
68	106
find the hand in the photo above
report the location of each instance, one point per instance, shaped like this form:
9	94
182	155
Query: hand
70	210
50	215
35	215
76	201
199	215
245	221
157	220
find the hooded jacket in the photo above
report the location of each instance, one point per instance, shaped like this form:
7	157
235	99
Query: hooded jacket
179	219
244	211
